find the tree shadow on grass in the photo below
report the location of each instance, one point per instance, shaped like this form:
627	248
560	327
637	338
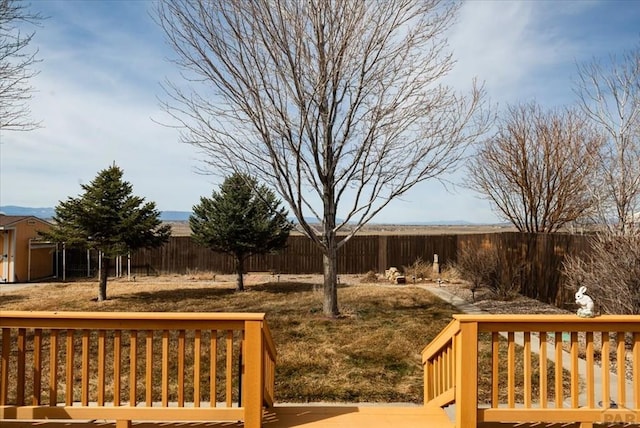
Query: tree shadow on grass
176	295
290	287
12	298
286	287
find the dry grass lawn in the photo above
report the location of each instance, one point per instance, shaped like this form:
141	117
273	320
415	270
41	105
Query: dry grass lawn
371	353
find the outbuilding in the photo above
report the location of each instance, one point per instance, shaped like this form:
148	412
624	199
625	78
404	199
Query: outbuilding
25	257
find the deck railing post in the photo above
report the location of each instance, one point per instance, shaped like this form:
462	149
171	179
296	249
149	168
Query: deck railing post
120	423
254	374
428	376
466	345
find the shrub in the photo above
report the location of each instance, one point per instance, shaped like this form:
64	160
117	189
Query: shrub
418	269
450	273
478	266
369	277
611	272
482	268
509	279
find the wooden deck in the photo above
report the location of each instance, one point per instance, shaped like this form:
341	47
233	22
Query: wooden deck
155	367
301	416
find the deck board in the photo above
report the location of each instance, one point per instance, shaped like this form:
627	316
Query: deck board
313	416
356	416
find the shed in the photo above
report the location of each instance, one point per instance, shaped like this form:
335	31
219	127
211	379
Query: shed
24	256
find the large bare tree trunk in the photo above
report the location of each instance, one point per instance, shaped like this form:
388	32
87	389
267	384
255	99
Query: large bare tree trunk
329	246
330	266
104	274
240	273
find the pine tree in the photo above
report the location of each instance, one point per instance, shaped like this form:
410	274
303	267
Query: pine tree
242	219
107	217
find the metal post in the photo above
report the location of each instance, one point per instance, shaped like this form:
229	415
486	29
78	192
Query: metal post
64	262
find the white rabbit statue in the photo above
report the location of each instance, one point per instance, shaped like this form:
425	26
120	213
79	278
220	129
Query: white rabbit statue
586	309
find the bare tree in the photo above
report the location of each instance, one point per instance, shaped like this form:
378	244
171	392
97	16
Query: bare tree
609	94
338	105
15	66
537	169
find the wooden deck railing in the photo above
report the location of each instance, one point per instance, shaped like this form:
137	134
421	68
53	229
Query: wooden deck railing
136	366
557	362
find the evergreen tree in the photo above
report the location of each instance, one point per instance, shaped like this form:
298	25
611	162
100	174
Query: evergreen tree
108	218
243	219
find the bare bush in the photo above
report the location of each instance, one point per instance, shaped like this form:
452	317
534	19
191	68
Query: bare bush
369	277
510	278
419	269
611	272
482	268
449	273
478	266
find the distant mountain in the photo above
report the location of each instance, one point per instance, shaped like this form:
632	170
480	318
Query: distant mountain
175	215
47	213
43	213
440	223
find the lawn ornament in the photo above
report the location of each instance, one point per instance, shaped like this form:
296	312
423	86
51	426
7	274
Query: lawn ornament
586	309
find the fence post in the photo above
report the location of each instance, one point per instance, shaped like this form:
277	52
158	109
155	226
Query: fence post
253	374
466	352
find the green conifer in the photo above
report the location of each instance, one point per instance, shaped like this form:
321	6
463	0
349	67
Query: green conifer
242	219
107	217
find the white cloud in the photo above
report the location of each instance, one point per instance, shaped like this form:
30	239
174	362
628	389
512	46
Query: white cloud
505	45
96	100
85	131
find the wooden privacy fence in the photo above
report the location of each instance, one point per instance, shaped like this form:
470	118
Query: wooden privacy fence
136	366
361	254
535	258
534	261
587	348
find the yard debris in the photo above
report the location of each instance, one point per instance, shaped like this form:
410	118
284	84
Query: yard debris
394	275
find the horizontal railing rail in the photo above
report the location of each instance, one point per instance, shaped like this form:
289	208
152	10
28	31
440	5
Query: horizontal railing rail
542	368
136	366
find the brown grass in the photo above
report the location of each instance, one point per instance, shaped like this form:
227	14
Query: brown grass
370	354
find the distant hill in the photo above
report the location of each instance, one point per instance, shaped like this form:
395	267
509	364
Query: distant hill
43	213
436	223
175	215
48	212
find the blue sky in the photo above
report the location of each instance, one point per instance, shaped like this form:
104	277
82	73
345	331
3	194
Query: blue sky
103	62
